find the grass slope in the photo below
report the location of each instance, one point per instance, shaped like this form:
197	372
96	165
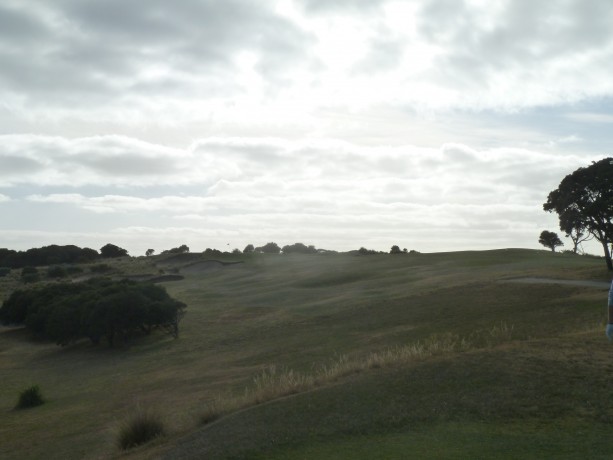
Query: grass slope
538	399
296	312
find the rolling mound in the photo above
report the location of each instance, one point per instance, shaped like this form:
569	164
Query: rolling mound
205	266
542	391
518	384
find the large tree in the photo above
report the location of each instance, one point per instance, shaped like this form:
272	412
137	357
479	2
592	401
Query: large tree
584	201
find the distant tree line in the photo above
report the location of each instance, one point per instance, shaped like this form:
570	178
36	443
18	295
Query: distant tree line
96	309
57	255
47	255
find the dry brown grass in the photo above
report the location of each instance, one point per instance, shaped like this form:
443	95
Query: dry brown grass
274	383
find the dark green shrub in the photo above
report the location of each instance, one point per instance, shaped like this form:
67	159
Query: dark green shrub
29	275
29	271
73	269
95	309
140	428
56	271
30	397
4	271
14	310
30	278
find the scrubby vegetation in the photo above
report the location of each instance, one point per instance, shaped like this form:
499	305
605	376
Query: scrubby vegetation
68	312
143	426
30	397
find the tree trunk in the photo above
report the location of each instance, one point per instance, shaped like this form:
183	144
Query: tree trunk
607	255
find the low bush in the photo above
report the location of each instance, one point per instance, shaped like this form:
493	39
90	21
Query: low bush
100	268
30	278
56	271
30	397
4	271
140	428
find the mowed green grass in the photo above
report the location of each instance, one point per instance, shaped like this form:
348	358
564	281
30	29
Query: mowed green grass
299	312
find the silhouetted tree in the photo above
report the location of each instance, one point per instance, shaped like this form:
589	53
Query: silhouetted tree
365	252
550	240
584	200
248	249
395	250
149	252
110	251
299	248
179	250
47	255
270	248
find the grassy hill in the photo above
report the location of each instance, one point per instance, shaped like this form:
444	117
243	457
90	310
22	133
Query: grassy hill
337	356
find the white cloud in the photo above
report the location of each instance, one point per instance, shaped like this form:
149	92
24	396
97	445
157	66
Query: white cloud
4	198
269	166
600	118
363	118
337	193
207	60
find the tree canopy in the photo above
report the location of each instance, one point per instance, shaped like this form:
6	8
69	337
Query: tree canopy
178	250
269	248
47	255
584	203
550	240
110	251
299	248
95	309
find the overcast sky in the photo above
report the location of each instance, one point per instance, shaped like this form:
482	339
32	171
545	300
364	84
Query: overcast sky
435	125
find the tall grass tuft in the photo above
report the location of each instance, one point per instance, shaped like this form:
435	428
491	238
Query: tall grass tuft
272	383
30	397
141	427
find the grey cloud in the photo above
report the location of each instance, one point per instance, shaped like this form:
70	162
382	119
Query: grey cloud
12	165
18	27
98	48
522	35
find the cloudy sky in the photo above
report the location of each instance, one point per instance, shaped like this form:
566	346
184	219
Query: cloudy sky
432	124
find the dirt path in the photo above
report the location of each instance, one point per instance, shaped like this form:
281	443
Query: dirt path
534	280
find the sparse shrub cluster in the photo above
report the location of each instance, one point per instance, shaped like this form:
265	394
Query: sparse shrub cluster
96	309
4	271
